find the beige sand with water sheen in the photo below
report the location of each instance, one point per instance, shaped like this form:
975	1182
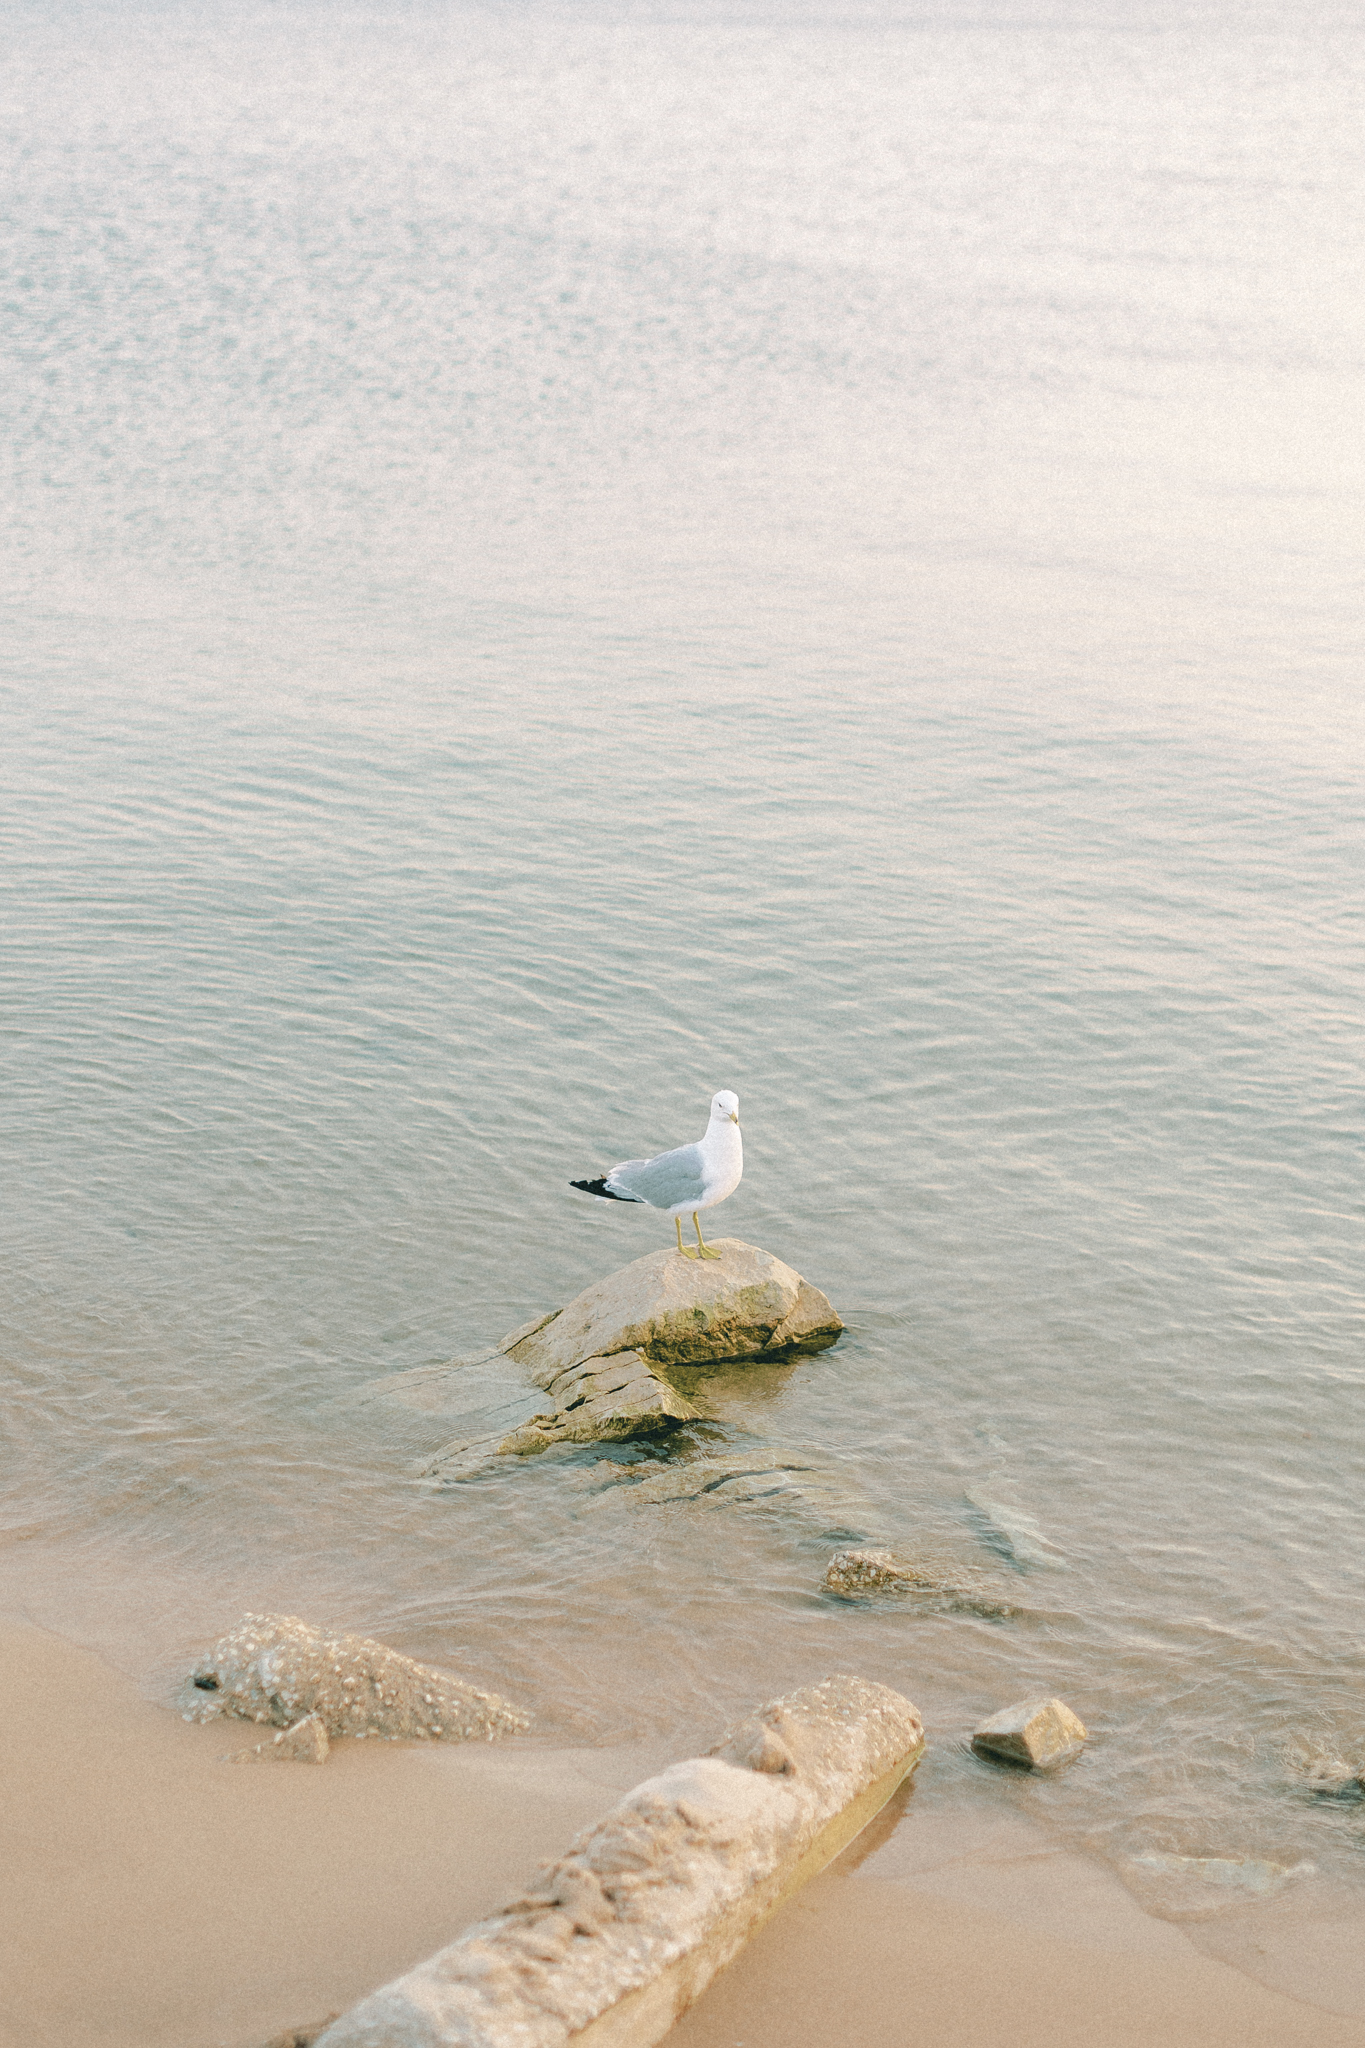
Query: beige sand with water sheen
154	1898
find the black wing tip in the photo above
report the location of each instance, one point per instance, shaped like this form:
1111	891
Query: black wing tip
598	1187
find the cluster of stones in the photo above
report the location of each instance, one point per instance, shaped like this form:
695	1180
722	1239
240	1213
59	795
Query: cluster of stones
611	1943
275	1668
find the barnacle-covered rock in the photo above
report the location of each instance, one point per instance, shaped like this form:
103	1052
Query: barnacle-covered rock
275	1668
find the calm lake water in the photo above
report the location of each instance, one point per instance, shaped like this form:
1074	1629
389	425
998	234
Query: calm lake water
556	561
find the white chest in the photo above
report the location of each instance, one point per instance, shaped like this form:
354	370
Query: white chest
723	1159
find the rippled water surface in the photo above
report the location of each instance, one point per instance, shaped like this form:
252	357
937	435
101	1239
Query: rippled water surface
561	561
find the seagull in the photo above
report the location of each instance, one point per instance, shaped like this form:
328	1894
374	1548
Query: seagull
691	1178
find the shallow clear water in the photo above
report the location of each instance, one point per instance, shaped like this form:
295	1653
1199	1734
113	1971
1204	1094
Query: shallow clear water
556	563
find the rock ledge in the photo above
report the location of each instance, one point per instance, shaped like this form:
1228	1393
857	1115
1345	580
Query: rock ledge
609	1945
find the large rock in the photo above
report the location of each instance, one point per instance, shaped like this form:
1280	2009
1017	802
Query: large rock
608	1946
274	1668
674	1311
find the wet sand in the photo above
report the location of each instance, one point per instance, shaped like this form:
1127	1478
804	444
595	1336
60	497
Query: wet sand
155	1897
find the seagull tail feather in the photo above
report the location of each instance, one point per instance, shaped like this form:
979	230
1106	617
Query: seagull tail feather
599	1187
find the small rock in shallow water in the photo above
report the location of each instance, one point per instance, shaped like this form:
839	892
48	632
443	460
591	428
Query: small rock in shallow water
863	1574
275	1668
851	1572
1039	1733
717	1482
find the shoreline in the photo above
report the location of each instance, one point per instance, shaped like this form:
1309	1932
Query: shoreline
157	1899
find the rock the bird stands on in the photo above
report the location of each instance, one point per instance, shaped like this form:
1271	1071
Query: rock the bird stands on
604	1360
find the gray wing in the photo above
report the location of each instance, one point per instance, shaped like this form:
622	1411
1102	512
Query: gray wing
672	1178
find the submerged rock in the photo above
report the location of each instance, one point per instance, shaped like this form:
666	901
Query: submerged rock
851	1572
675	1311
1014	1536
274	1668
305	1743
710	1480
1336	1780
865	1574
1329	1776
1186	1876
1039	1733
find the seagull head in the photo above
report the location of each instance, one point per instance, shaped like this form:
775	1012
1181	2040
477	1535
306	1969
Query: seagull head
725	1105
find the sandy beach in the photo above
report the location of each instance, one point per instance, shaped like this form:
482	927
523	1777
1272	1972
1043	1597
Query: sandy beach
158	1897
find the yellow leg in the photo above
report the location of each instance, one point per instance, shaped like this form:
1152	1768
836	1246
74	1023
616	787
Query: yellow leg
703	1250
686	1249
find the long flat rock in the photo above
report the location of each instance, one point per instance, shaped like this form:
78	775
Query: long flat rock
609	1946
